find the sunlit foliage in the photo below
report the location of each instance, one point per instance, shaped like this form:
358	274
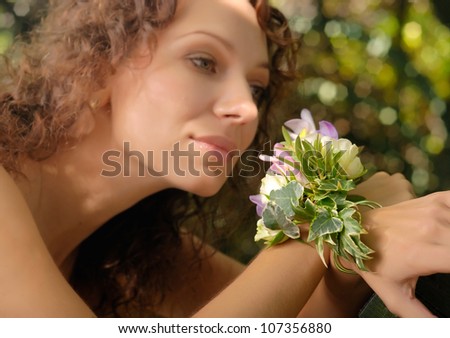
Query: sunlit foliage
380	69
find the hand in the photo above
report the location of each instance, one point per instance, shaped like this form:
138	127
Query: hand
386	190
410	239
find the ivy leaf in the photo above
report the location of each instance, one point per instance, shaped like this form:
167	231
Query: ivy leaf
270	216
305	213
279	238
274	218
320	248
331	163
287	197
349	240
339	198
327	202
351	225
310	207
324	223
336	184
328	185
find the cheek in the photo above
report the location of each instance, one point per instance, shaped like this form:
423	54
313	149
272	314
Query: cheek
139	101
250	132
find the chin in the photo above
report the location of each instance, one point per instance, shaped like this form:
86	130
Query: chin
205	188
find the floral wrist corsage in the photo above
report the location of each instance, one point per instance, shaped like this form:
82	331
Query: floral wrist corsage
309	181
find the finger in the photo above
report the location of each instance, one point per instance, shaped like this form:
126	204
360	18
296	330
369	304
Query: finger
406	307
398	298
407	184
401	301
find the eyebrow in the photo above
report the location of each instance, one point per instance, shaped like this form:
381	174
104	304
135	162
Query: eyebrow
226	43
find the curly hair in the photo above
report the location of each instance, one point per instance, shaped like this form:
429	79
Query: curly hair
44	99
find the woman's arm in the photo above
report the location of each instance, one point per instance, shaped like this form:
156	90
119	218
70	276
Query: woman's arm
277	283
31	284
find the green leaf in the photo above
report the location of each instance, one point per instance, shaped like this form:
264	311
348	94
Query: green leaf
309	159
324	223
337	170
335	184
279	238
310	207
355	198
339	198
274	218
302	215
329	156
327	202
346	185
270	216
351	225
290	229
329	185
320	249
370	204
287	197
287	137
331	239
350	246
305	213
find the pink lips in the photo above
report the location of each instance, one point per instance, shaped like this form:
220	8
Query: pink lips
216	143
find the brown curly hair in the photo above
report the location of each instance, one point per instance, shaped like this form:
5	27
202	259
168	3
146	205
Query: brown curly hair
44	99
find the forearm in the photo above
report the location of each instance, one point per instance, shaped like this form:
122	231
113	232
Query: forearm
277	283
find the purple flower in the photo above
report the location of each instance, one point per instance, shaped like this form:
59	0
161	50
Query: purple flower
327	129
260	204
306	128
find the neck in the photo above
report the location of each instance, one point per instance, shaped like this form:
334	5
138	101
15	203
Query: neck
70	198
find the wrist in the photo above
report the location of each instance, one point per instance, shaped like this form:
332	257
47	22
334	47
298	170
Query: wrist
345	280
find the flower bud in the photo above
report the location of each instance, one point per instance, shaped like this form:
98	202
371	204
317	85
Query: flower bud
350	161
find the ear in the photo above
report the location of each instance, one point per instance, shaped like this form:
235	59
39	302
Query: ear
97	104
100	99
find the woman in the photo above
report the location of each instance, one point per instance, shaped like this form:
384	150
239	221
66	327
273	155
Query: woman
115	109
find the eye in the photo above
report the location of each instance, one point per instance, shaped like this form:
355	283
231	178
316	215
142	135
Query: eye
204	63
258	93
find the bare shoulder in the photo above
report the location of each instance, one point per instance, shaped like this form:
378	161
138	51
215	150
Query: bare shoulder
16	218
30	281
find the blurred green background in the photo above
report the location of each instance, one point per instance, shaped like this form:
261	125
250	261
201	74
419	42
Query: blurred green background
378	69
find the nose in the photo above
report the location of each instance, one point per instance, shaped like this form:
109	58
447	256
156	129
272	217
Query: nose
235	103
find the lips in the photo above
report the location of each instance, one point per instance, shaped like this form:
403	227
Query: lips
216	143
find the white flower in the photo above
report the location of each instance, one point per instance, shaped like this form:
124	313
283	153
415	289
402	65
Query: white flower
264	233
272	182
349	162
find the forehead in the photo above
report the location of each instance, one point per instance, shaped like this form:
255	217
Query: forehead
234	20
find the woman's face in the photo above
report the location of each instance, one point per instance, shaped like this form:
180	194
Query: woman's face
186	113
